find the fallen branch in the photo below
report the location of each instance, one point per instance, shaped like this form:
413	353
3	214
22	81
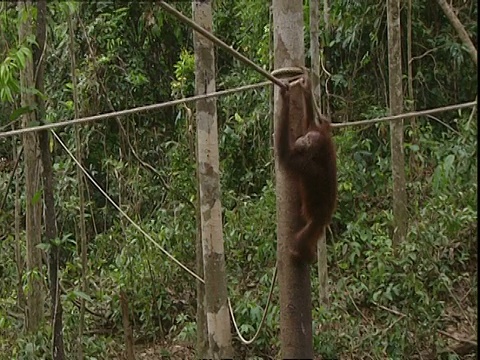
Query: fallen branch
456	338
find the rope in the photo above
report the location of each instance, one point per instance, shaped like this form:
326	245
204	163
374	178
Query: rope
289	70
132	110
157	106
220	43
406	115
264	316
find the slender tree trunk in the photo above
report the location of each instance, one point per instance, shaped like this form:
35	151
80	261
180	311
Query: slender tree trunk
396	127
462	33
202	331
294	279
326	15
411	95
19	261
58	352
317	91
315	48
81	192
271	90
33	213
218	318
127	327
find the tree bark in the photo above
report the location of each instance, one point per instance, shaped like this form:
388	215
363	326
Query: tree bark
315	49
396	127
326	14
127	327
81	192
218	318
411	95
33	211
19	260
58	352
317	91
294	279
462	33
202	331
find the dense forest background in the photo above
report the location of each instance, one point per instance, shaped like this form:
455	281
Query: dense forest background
419	302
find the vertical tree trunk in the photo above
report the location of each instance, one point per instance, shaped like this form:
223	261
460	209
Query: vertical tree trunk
396	127
19	261
410	91
58	352
218	318
462	33
33	213
202	331
271	89
81	193
294	279
127	327
315	48
327	30
411	95
315	56
326	15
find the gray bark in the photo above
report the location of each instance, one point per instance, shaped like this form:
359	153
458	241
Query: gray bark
396	127
82	239
33	212
326	14
218	317
317	91
58	352
19	260
202	331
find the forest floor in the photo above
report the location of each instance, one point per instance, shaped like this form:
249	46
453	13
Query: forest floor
165	351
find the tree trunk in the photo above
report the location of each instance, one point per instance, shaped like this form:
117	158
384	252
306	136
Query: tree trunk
315	49
411	95
202	331
127	327
396	127
33	211
81	194
317	91
326	15
19	261
294	279
58	352
412	164
218	318
462	33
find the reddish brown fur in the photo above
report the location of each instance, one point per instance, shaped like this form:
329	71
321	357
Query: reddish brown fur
311	160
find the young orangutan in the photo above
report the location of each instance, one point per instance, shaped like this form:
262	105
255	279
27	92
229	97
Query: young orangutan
311	161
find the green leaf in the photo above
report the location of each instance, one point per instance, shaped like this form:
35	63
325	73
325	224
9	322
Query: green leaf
448	164
82	295
44	246
36	198
19	112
